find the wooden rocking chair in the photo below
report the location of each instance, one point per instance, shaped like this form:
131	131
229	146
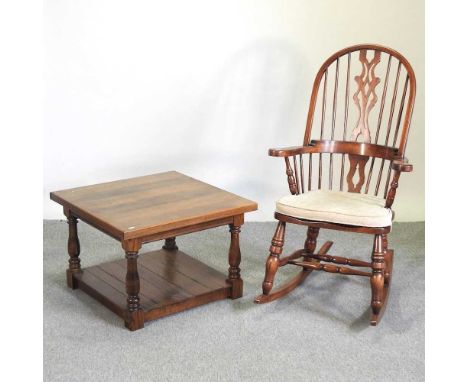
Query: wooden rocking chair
353	141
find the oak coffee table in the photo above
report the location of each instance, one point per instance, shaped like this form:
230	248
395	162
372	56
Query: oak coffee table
136	211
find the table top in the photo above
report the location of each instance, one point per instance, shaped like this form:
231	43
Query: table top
146	205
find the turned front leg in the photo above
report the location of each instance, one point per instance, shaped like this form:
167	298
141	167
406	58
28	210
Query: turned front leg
170	244
273	261
311	241
377	279
134	318
388	256
234	261
73	250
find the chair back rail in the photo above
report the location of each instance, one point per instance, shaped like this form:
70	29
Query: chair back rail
368	108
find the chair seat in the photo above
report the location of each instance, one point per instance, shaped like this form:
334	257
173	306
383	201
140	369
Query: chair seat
337	207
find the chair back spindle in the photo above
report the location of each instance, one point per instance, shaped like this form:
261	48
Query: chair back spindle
382	86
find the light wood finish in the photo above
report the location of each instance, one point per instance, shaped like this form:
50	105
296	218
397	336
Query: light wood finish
374	143
149	208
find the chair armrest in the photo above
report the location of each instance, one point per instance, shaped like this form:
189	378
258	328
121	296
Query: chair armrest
338	147
402	165
291	151
399	165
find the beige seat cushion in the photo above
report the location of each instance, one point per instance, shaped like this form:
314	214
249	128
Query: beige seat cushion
337	207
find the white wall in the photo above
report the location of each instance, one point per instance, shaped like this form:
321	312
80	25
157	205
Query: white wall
205	88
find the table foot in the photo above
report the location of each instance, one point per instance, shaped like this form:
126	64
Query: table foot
237	288
71	281
170	244
135	320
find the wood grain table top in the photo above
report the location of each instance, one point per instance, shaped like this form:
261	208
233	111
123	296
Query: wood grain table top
146	205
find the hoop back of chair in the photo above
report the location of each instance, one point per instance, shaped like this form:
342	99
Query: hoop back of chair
362	95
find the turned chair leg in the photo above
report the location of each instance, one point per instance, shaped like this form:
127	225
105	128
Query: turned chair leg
273	261
73	250
377	279
135	317
388	261
311	241
234	277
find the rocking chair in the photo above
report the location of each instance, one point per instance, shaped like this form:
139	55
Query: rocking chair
369	157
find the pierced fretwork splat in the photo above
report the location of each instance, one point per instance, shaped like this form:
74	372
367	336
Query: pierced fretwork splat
365	97
356	162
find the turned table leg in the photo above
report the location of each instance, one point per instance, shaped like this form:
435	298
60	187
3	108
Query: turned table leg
134	316
73	249
170	244
234	260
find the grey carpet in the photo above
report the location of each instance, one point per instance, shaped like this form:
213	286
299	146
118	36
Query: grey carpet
319	332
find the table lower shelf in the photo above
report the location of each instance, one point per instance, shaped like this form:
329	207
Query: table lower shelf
170	282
